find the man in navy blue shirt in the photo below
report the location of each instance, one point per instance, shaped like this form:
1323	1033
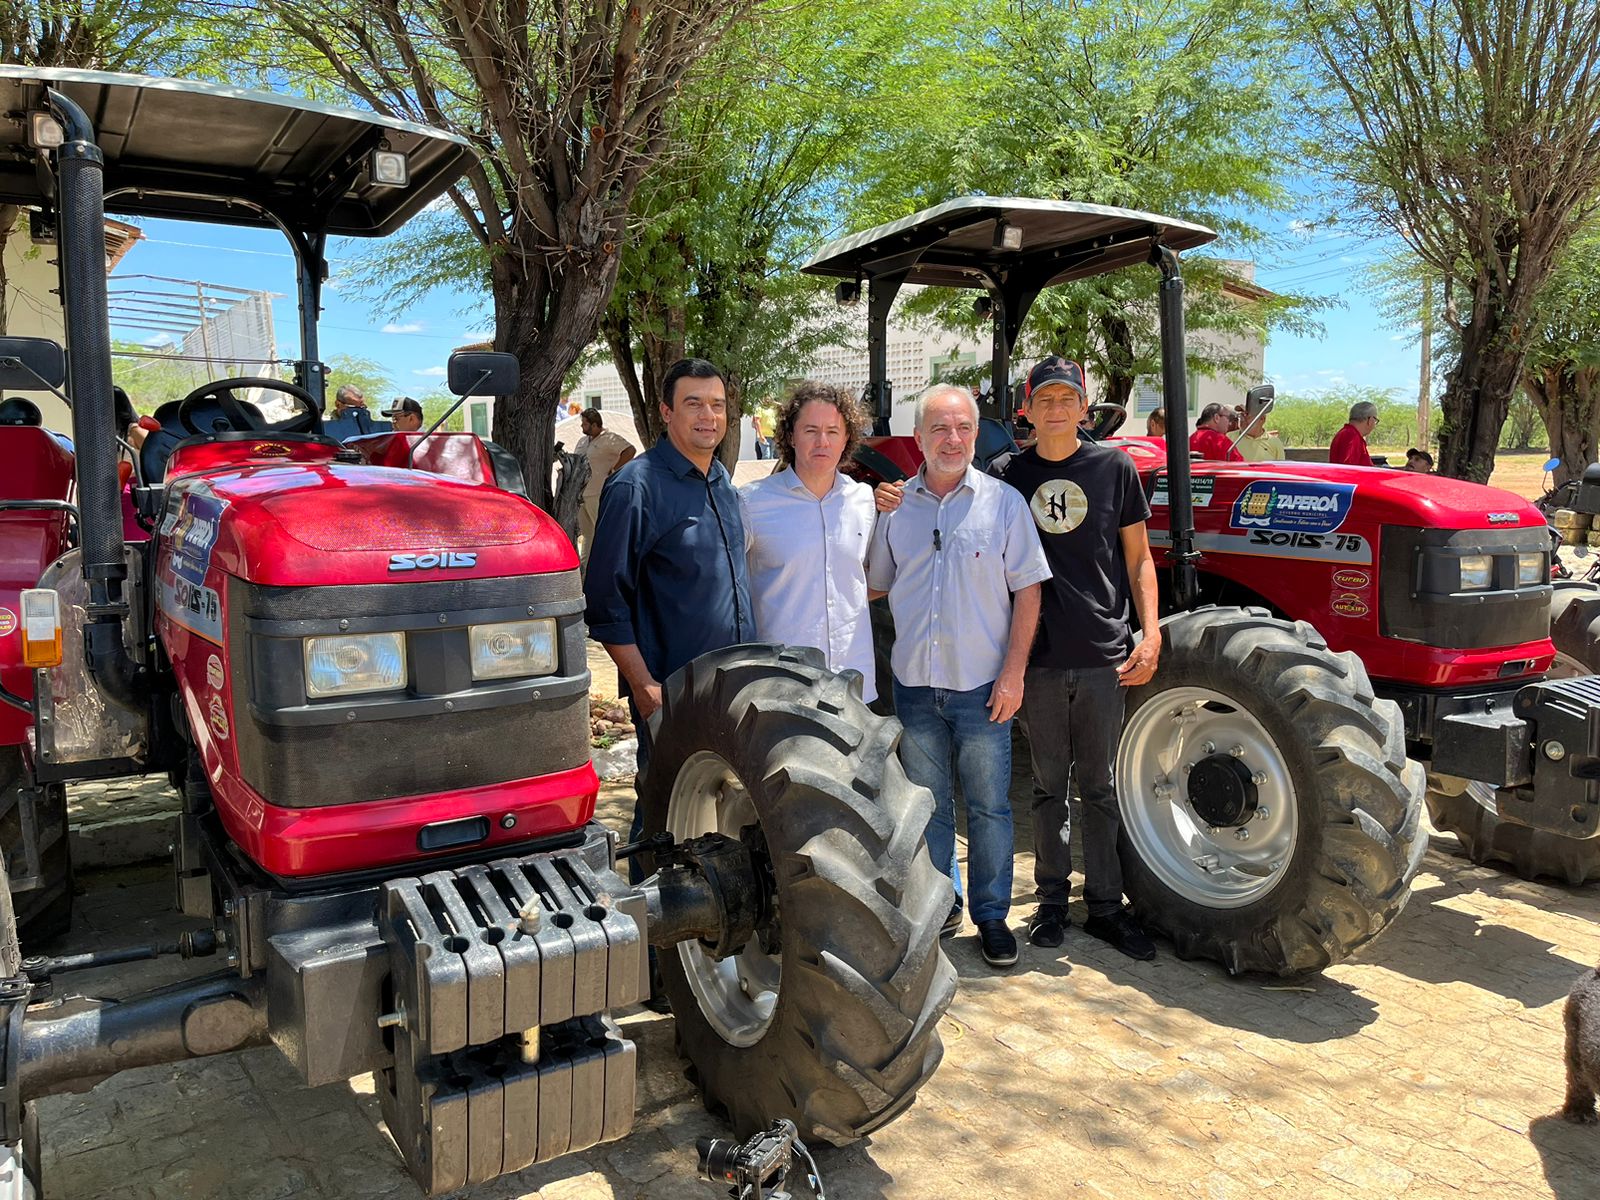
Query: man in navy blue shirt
667	579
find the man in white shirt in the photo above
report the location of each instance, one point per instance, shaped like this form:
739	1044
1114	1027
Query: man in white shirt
807	529
606	452
961	563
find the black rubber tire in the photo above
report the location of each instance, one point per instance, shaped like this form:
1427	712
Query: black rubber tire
1360	841
41	913
854	1032
1470	810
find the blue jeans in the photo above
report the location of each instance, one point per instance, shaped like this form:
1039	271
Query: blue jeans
944	728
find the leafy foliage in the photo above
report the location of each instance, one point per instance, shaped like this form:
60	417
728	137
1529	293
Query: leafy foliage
1175	109
1470	130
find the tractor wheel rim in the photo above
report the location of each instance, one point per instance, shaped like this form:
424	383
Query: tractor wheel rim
1226	867
738	995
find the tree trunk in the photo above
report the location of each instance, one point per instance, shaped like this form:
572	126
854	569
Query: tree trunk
1119	360
1477	393
574	472
1568	400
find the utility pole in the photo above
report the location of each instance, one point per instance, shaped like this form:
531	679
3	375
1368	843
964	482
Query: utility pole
1424	383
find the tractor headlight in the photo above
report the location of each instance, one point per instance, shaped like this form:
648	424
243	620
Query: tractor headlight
1477	572
508	649
350	664
1531	569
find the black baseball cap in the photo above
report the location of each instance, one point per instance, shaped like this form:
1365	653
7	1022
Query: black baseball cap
1056	369
403	405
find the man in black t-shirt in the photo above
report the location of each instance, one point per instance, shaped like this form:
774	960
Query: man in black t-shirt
1091	511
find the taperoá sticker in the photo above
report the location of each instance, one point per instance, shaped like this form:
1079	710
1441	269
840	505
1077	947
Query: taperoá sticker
8	622
214	674
1296	506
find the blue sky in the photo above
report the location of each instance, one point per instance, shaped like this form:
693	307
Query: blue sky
1358	347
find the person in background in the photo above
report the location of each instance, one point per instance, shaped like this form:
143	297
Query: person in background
1210	437
1350	443
1419	461
1258	445
1155	425
406	414
807	529
607	453
350	417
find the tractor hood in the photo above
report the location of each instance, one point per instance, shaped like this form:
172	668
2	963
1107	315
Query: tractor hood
1387	496
329	524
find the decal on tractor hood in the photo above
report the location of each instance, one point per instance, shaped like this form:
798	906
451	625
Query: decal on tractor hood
8	622
1273	543
1298	506
191	528
433	560
1200	489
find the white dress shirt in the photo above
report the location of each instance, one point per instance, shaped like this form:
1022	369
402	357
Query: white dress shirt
808	582
951	565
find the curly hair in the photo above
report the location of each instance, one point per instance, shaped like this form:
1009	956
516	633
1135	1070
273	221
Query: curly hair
805	392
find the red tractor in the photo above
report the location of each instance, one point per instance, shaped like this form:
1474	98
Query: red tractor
381	726
1272	816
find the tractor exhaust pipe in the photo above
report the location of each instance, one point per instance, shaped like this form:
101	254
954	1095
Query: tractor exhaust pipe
81	168
1175	400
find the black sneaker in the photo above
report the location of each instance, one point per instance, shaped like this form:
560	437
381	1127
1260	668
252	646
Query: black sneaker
952	923
998	944
1123	932
1048	926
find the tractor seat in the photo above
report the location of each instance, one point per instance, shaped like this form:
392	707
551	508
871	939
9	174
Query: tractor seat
160	443
17	411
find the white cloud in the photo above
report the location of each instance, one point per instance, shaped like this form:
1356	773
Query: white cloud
477	335
160	339
431	372
408	327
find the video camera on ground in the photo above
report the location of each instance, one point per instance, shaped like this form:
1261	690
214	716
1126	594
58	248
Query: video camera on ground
758	1167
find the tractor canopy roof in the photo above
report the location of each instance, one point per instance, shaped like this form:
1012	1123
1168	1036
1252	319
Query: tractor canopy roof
177	148
972	241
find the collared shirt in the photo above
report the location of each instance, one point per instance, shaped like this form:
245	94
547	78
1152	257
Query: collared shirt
602	453
1350	448
1266	448
1208	443
950	566
667	572
808	567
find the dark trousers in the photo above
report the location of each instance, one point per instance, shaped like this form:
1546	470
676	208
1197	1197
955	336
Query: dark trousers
636	831
1074	719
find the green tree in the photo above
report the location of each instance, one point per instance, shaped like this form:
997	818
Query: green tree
1562	379
759	151
1470	130
567	104
1176	109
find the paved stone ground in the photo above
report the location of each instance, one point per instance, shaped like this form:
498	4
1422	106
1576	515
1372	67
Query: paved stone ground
1428	1068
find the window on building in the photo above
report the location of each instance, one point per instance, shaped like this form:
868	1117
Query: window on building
480	416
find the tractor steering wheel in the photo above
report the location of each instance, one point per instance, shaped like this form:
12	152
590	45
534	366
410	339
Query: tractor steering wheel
1105	419
307	420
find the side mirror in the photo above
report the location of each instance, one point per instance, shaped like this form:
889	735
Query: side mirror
483	373
1262	393
28	364
1551	465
